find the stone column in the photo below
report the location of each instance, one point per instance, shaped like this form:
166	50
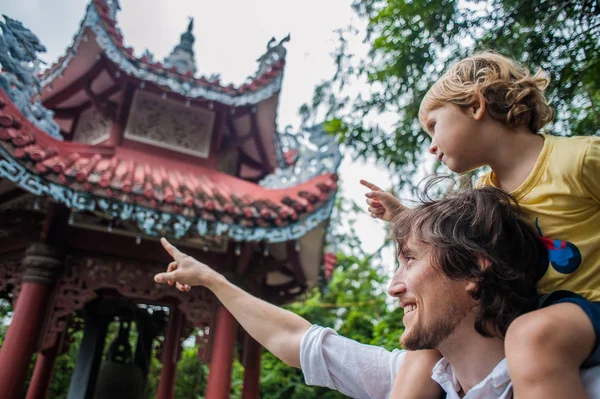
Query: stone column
42	264
168	375
219	378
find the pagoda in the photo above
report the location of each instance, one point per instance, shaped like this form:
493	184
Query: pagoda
103	153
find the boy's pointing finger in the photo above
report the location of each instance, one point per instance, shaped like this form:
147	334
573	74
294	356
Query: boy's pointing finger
370	185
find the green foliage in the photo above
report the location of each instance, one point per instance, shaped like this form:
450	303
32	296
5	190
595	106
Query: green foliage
63	369
5	314
412	41
191	375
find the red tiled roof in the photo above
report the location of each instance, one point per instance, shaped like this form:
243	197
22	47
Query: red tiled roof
193	191
110	25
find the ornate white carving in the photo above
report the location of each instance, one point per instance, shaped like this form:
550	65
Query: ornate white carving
18	79
154	222
92	127
169	124
274	53
316	153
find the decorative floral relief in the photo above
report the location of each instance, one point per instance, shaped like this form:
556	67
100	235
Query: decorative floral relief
10	271
85	275
92	127
166	123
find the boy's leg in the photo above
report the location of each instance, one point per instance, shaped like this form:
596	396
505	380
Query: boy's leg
545	350
414	377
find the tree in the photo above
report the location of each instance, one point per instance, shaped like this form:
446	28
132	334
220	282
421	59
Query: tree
5	315
413	41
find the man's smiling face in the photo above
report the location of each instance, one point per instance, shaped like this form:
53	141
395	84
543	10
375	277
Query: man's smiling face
434	305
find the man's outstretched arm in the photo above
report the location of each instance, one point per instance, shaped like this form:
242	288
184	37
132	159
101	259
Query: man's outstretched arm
278	330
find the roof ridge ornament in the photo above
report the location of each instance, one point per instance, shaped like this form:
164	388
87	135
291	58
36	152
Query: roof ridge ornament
113	8
182	56
149	55
110	39
274	54
315	152
19	62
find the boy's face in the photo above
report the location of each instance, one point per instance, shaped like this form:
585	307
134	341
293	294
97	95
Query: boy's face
457	138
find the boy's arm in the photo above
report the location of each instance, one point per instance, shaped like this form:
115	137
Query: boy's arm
278	330
414	377
382	205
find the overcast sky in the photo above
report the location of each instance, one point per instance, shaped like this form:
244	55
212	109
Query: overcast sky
230	36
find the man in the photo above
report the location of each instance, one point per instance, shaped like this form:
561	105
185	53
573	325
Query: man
468	267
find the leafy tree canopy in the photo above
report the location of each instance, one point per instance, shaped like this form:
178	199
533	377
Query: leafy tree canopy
411	42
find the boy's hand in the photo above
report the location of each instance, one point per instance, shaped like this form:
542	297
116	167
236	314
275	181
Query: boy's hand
382	205
184	271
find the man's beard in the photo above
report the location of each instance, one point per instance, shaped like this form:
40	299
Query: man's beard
421	337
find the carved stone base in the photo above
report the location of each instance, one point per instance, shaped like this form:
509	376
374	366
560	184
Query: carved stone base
42	264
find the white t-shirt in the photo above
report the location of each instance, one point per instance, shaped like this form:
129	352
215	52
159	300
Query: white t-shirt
366	371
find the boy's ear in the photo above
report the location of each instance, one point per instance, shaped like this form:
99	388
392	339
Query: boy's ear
478	110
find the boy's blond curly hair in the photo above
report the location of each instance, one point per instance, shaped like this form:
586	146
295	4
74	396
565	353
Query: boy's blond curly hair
511	94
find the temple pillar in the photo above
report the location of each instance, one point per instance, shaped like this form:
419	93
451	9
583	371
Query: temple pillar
168	375
251	361
41	264
42	374
219	377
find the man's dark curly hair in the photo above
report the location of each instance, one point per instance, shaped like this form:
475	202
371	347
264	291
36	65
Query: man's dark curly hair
472	224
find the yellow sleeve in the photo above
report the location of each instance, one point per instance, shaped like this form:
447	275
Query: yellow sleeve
484	180
590	170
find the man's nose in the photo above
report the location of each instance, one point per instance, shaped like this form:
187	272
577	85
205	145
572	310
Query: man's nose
397	287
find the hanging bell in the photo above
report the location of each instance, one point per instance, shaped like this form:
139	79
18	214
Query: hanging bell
119	377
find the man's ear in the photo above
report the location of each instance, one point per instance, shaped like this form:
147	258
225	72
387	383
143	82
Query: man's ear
471	286
483	263
478	110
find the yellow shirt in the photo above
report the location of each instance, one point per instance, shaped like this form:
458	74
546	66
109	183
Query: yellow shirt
561	195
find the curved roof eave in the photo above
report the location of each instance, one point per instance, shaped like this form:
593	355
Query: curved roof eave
98	20
177	202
